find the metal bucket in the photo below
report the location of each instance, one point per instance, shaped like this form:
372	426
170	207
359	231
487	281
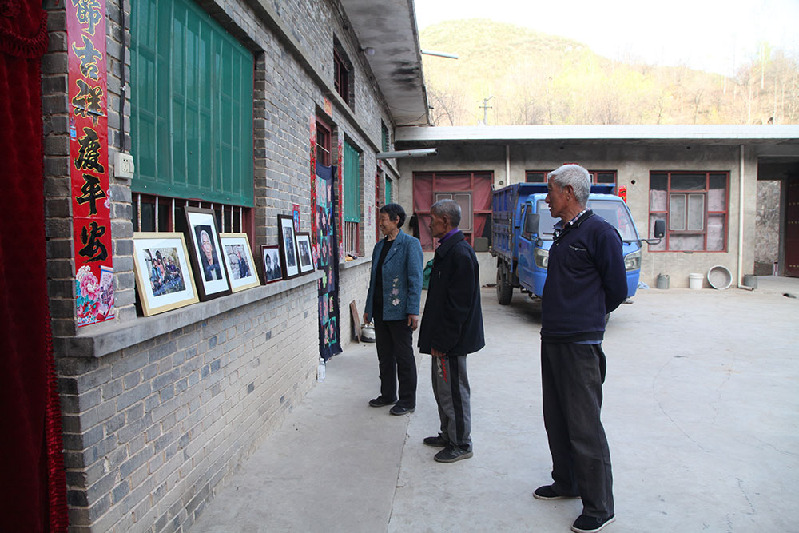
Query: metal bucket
368	333
663	281
719	277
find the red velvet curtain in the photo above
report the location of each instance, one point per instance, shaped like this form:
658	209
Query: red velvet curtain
32	487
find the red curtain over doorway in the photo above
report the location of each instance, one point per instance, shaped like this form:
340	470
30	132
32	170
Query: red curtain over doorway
427	185
33	486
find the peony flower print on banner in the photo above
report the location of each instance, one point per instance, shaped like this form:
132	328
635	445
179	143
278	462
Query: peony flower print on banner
95	298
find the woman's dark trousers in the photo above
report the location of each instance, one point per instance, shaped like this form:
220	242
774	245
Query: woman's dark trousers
395	354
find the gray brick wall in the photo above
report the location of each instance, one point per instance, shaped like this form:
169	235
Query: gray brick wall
354	285
152	430
767	226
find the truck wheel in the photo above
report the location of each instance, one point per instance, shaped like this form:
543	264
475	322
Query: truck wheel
504	287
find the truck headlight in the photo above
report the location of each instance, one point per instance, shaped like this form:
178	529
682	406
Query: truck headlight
541	258
632	261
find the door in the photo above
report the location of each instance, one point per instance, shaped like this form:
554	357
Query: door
526	244
792	229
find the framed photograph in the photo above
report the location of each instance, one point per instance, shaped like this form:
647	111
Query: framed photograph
270	261
206	253
304	253
163	272
239	261
288	246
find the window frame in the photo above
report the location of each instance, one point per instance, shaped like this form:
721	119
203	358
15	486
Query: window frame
352	177
343	81
707	212
165	214
542	174
218	166
385	137
451	195
324	143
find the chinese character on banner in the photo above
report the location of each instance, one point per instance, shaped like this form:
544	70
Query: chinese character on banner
88	120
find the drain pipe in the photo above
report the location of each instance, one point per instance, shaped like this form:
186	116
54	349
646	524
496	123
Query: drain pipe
741	217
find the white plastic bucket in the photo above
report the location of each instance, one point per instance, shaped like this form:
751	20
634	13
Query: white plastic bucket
695	280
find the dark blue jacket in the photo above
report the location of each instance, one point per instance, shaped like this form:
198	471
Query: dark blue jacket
586	279
453	318
402	278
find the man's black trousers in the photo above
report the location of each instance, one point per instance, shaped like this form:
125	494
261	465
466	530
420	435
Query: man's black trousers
572	376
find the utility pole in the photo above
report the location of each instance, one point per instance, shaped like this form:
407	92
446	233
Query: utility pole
485	107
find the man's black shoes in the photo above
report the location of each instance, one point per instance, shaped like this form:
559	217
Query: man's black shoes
591	524
436	442
399	410
548	493
381	402
451	454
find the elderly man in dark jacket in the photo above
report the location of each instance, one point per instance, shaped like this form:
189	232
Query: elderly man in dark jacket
452	326
586	279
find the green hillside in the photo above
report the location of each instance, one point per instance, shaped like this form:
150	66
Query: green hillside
530	77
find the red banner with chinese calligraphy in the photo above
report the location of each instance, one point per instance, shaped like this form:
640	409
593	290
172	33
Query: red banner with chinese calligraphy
88	132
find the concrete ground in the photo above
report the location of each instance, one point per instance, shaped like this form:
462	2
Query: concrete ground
701	411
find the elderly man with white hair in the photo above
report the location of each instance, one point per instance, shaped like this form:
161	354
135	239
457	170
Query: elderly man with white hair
586	279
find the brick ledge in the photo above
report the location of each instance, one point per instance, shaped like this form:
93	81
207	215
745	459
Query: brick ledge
109	337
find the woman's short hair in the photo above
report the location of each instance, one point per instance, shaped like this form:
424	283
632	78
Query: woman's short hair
394	212
577	177
449	209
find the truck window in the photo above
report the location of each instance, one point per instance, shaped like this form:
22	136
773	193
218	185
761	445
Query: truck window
612	211
546	224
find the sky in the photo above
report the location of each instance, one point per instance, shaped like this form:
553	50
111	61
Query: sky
712	35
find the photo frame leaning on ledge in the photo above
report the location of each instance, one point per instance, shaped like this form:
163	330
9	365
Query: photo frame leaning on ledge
270	261
288	246
163	272
239	262
206	253
304	253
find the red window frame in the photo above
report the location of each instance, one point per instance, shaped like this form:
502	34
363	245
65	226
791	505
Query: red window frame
660	214
324	150
597	176
341	76
157	214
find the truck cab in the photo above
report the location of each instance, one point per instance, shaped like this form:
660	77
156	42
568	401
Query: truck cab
524	229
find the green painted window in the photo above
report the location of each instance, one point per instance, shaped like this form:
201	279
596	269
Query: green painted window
191	105
388	190
386	143
352	184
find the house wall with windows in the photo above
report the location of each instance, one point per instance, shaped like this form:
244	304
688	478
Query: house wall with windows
694	246
159	410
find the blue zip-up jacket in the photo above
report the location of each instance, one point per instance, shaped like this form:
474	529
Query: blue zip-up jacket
586	279
402	278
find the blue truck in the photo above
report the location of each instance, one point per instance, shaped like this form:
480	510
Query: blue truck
522	230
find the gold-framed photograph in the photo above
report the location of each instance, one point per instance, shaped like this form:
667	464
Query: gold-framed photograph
163	272
239	261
